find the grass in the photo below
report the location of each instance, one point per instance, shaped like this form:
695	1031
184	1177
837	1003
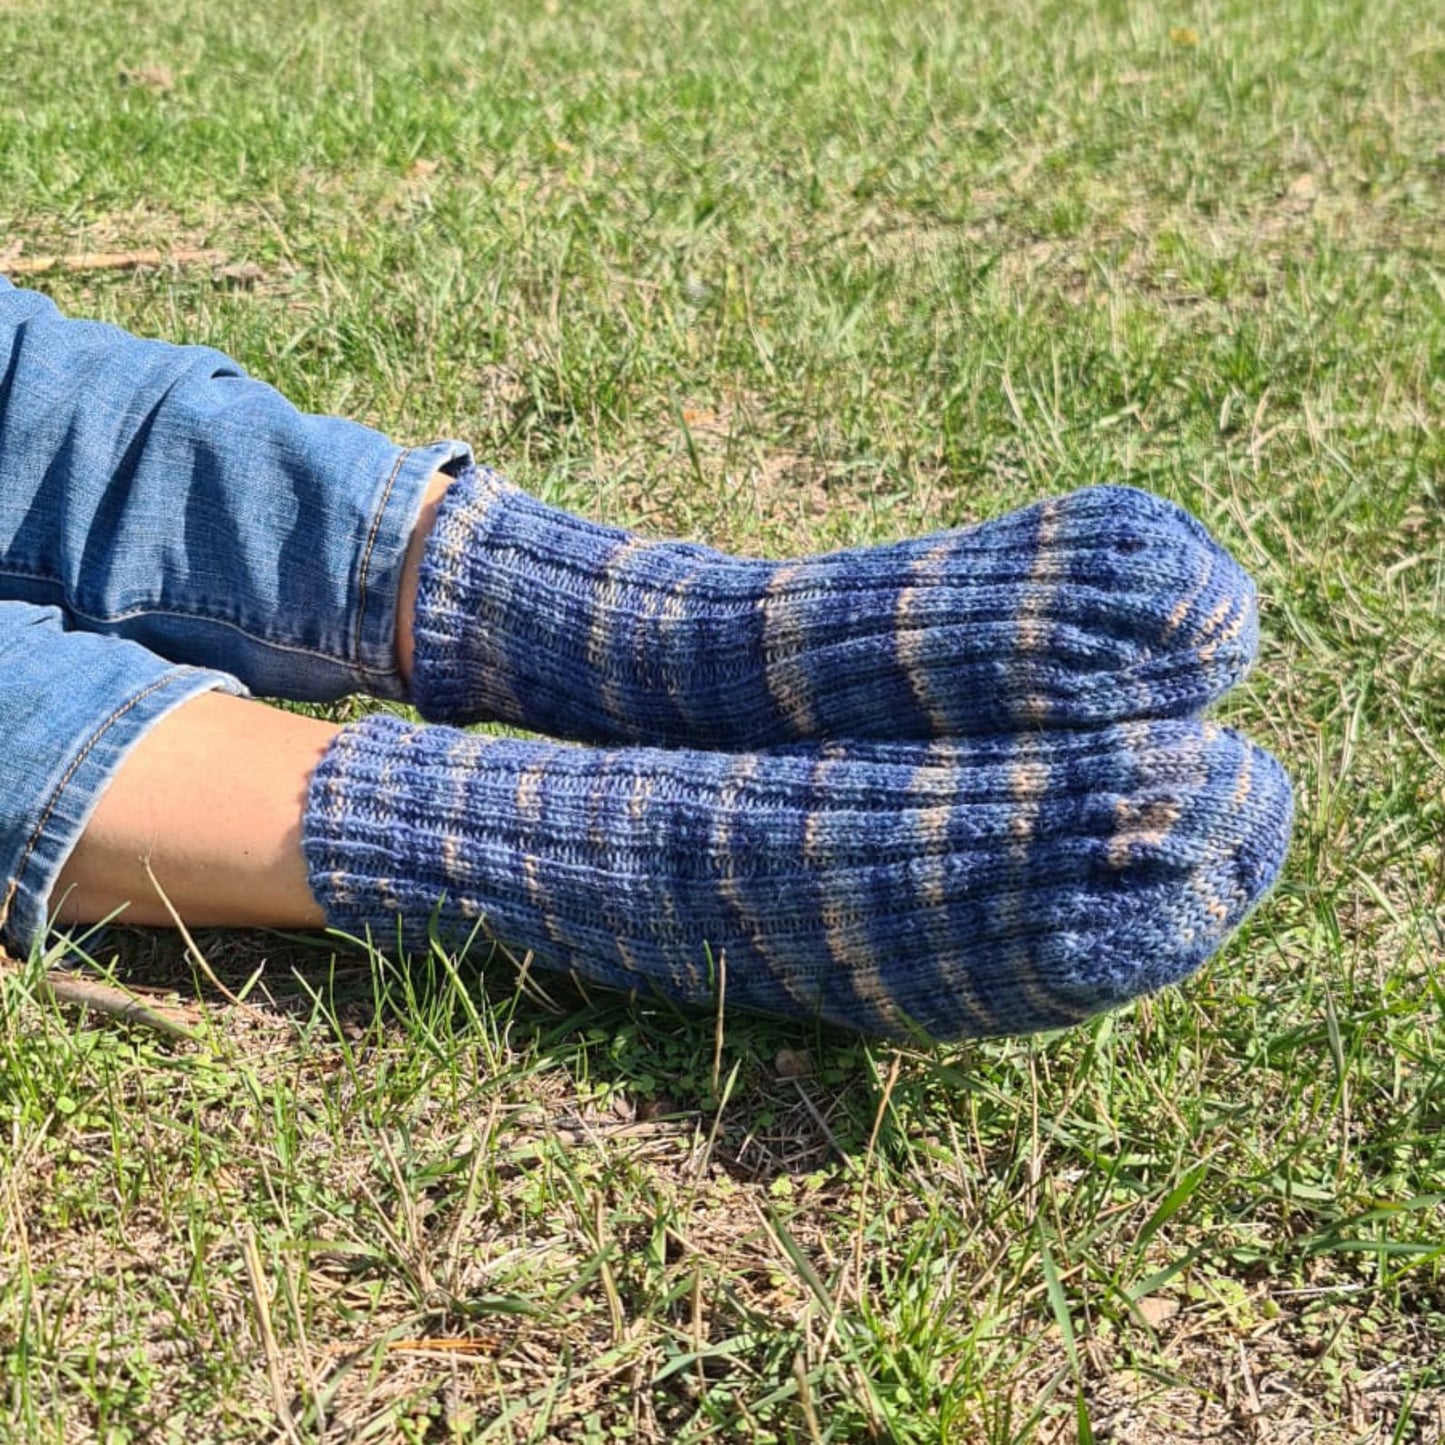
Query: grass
784	277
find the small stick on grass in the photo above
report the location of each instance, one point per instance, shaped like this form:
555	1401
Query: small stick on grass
64	987
111	261
70	988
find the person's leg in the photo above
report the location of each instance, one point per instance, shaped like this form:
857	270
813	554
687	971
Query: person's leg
74	708
158	493
202	822
948	890
433	495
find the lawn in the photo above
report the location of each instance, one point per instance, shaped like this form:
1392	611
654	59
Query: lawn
780	277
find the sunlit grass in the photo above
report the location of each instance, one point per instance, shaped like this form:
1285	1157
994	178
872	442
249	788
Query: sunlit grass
784	277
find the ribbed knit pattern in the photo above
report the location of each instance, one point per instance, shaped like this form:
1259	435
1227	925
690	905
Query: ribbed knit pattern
1103	605
994	886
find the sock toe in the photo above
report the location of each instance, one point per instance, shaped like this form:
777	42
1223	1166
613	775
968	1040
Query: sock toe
1149	617
1170	909
1166	835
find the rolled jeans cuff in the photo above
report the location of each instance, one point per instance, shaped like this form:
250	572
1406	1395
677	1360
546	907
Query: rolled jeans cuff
376	596
72	707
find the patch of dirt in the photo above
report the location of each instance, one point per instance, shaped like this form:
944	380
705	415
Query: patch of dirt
1307	1373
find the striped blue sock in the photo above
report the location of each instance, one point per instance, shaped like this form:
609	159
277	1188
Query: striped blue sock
994	886
1103	605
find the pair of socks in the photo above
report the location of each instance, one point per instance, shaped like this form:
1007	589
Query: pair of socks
946	788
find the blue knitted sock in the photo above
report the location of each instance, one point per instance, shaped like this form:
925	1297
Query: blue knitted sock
1102	605
997	886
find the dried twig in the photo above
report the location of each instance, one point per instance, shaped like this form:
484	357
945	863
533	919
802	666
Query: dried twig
84	992
112	261
62	986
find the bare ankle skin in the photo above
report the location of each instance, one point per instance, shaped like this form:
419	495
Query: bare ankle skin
411	570
204	814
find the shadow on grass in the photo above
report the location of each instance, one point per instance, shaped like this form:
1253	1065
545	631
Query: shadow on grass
771	1098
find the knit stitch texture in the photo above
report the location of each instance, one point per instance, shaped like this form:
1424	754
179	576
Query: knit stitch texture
1102	605
998	885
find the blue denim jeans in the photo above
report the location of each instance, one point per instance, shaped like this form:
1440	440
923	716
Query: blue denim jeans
169	526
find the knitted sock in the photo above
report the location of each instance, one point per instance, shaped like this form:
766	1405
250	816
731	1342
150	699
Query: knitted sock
998	886
1102	605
